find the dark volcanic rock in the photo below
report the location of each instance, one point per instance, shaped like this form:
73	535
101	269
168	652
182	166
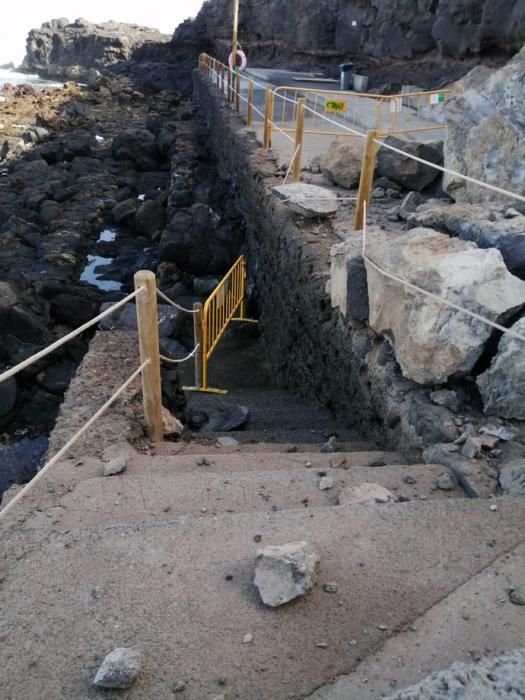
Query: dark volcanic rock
60	44
138	146
19	461
407	172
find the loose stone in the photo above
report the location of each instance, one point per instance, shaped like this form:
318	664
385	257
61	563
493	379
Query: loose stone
119	670
116	466
247	639
330	587
285	572
445	482
326	483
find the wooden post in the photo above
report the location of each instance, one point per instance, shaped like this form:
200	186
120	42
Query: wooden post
149	350
249	113
268	117
197	336
238	92
235	32
367	178
299	136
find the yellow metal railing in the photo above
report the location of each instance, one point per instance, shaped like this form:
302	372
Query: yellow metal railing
212	320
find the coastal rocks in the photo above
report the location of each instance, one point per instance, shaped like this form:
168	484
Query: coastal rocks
512	477
343	161
432	341
405	171
502	386
286	572
138	146
486	133
60	45
197	243
20	461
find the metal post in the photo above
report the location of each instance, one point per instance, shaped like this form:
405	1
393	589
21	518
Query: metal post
268	117
367	177
229	88
249	113
197	335
204	348
299	136
147	324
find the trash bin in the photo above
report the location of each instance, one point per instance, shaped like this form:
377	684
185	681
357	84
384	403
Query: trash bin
346	75
360	83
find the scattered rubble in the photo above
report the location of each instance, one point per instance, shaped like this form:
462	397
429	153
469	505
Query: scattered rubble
119	670
286	572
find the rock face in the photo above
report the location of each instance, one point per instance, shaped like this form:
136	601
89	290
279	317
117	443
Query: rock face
398	28
486	131
285	572
59	46
502	386
500	677
432	341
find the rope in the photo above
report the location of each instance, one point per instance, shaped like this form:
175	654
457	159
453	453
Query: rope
467	178
291	164
72	441
185	359
50	348
436	297
173	303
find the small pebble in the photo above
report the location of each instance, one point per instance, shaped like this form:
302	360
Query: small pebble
247	639
516	597
257	538
202	462
179	686
409	480
330	588
383	628
493	507
326	483
228	577
322	645
307	464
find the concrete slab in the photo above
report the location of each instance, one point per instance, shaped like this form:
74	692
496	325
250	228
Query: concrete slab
164	496
475	620
182	593
309	200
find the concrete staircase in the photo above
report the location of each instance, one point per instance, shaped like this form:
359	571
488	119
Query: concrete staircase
161	557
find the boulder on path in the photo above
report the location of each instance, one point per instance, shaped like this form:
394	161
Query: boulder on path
342	162
502	386
119	670
431	340
486	132
483	225
309	200
285	572
409	173
365	493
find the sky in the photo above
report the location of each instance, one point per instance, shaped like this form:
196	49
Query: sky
19	17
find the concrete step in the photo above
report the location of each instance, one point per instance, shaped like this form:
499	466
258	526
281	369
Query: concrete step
163	496
182	593
201	444
222	461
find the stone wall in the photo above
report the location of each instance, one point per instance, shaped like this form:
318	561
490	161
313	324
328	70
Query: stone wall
313	350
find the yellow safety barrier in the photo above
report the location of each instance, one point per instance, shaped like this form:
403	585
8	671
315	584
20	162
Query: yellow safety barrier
212	320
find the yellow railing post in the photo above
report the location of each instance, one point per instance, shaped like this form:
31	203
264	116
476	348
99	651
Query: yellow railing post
268	117
249	113
197	335
229	85
147	324
204	348
367	177
299	136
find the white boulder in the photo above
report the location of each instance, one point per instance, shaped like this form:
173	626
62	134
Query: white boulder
285	572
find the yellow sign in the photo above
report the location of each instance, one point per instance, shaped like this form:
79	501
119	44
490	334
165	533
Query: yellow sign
336	105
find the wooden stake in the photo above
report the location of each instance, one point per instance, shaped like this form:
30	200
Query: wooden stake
235	38
367	178
149	350
299	136
268	117
249	113
238	92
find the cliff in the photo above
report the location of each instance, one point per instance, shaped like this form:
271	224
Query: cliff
377	28
59	45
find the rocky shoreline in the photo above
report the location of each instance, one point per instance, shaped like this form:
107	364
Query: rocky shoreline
105	180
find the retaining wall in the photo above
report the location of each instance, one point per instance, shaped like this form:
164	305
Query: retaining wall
313	349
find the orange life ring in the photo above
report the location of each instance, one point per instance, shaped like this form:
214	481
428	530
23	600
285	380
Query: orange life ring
233	60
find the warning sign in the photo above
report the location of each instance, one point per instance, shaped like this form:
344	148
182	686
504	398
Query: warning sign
336	106
437	98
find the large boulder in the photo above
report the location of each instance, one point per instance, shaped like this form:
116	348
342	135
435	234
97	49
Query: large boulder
342	162
433	341
486	132
502	386
407	172
481	224
138	146
197	243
